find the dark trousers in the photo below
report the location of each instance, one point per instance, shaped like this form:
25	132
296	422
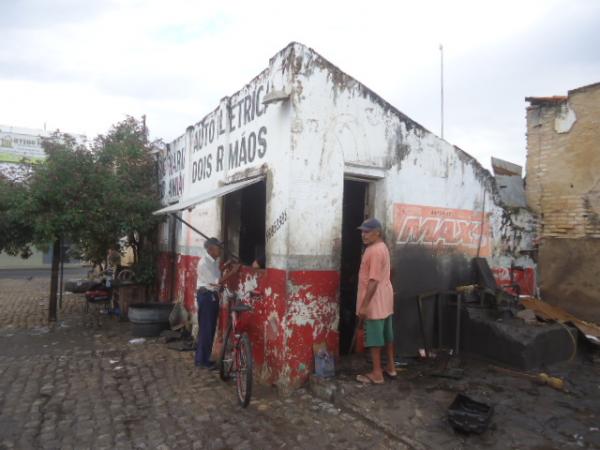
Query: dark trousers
208	312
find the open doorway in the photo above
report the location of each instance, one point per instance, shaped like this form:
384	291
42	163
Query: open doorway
244	215
354	211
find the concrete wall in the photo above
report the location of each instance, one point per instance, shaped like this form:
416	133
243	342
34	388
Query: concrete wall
563	187
438	205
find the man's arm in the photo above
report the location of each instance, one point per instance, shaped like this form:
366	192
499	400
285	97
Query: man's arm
229	273
371	288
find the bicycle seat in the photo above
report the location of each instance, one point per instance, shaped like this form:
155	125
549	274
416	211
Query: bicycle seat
240	307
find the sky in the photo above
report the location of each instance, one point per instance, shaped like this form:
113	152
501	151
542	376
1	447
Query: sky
81	66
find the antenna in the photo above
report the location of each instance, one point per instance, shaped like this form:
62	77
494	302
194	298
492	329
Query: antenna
442	87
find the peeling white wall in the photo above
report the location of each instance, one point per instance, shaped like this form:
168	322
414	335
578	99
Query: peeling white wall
337	121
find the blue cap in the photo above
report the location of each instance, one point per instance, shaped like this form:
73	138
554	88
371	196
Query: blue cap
370	225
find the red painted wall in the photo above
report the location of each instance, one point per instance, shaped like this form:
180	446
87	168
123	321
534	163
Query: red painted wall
312	317
524	278
294	311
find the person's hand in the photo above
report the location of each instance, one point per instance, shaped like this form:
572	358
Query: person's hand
362	313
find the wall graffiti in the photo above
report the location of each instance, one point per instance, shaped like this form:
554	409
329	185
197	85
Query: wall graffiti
276	226
465	230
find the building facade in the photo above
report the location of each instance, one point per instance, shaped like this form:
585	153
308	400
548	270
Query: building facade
563	187
290	165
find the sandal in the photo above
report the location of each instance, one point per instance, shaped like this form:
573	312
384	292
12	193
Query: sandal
367	379
393	375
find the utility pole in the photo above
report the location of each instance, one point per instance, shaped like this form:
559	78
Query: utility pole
442	86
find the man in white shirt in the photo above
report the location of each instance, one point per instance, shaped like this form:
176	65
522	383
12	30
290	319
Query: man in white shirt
207	298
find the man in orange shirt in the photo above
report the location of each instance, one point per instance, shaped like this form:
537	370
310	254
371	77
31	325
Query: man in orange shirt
375	301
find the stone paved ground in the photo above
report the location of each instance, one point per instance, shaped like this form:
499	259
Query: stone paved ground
527	415
79	384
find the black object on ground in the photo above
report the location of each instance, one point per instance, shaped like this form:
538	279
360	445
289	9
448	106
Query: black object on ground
468	416
512	342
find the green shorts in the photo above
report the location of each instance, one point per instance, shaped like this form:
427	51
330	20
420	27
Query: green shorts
379	332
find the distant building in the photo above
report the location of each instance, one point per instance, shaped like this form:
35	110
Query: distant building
563	187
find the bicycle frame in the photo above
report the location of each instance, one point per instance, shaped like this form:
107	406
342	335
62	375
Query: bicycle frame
236	356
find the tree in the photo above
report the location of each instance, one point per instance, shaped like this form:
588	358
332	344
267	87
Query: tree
16	232
94	197
61	199
133	190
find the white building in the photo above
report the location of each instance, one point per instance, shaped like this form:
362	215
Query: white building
292	163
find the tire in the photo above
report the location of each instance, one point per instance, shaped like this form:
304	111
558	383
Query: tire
150	312
226	358
243	379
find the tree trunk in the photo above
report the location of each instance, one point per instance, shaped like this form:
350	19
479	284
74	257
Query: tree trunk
54	281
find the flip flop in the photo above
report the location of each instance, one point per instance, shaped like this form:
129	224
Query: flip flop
393	375
366	379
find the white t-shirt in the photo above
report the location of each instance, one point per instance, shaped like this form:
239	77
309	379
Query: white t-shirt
208	272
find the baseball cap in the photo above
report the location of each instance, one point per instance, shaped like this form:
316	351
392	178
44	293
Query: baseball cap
370	225
212	241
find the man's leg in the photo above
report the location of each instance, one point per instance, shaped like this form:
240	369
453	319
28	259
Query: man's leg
206	328
198	355
389	349
375	342
377	372
213	312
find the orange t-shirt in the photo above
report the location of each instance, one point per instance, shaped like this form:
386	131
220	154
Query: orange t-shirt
375	265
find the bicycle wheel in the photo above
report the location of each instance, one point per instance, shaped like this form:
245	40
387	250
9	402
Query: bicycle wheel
226	358
243	359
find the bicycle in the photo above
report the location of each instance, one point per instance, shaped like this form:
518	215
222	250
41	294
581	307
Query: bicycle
236	356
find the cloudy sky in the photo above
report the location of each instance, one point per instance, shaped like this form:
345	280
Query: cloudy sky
83	65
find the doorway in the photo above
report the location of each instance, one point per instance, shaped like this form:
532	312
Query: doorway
354	212
244	223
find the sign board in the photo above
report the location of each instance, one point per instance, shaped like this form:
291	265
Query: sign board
464	230
17	144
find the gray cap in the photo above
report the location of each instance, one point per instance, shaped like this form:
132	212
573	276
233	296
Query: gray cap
370	225
212	241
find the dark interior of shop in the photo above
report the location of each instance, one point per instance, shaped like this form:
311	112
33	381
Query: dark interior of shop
353	214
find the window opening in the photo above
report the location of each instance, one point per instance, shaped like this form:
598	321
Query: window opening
244	223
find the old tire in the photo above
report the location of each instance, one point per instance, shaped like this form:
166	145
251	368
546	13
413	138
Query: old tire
149	319
150	312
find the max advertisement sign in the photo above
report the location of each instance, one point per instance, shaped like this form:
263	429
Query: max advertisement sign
464	230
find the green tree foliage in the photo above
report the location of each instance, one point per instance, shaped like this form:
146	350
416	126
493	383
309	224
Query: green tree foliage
16	232
131	192
98	198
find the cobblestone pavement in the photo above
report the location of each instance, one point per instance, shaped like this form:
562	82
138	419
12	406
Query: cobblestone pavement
80	384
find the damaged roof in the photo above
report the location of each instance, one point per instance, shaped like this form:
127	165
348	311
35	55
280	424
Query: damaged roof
559	99
541	101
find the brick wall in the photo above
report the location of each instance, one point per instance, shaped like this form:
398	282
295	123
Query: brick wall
563	187
563	168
